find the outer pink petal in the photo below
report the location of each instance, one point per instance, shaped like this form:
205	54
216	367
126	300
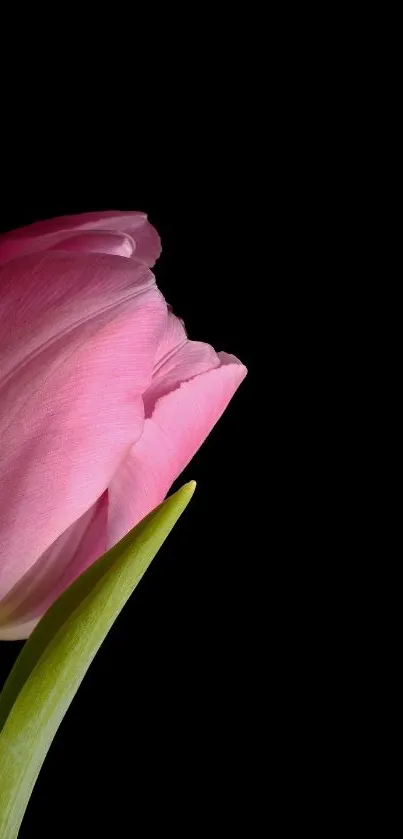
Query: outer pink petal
74	551
70	402
177	360
18	631
48	234
180	422
174	337
189	360
47	297
94	241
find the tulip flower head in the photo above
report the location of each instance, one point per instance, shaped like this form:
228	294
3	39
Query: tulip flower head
103	400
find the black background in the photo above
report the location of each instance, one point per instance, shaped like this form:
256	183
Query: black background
163	734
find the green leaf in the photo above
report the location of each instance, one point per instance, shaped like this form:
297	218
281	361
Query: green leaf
55	658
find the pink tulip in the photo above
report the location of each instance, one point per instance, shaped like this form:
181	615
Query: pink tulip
103	400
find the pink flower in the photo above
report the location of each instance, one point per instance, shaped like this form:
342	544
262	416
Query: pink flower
103	400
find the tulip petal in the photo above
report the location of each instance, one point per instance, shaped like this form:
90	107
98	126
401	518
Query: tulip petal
180	422
44	235
78	353
68	557
18	631
45	297
173	338
95	241
190	360
177	360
